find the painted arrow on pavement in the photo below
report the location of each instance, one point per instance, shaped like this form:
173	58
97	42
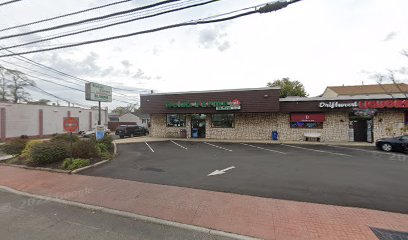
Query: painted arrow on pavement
218	172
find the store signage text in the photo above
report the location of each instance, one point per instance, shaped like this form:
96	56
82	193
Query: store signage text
232	105
384	104
337	105
366	104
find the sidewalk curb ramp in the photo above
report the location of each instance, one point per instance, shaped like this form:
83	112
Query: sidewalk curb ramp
211	232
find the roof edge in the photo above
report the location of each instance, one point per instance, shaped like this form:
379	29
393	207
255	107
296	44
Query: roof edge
212	91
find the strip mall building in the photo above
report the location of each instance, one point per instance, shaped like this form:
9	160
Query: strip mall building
253	114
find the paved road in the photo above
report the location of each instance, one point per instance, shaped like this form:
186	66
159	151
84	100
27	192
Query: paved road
29	218
358	177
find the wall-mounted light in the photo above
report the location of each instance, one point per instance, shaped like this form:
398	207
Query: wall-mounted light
266	95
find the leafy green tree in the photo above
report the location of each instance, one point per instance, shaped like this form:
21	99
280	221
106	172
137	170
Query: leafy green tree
289	87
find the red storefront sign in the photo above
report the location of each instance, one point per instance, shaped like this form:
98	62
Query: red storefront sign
383	104
304	117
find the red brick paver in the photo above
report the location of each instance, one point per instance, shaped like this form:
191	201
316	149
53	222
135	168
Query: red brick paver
245	215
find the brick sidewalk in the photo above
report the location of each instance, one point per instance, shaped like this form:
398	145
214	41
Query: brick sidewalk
245	215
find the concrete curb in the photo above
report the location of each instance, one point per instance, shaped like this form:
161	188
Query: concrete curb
89	166
98	163
36	168
148	139
131	215
7	157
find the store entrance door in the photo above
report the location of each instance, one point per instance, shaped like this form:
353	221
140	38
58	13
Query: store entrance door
198	125
360	130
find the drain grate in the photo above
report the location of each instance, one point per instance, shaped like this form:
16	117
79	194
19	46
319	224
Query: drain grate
152	169
383	234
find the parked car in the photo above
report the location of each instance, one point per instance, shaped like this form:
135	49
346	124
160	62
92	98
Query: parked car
131	131
90	133
393	144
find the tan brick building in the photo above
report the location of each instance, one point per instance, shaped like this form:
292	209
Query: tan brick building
253	114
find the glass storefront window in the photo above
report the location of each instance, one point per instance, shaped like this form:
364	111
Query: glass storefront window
176	120
307	125
223	120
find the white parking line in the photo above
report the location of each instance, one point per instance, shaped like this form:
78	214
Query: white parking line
226	149
177	144
151	149
315	150
362	150
262	148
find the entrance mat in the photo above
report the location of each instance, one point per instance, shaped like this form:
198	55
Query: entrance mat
383	234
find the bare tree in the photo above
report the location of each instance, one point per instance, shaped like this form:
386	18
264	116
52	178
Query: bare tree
3	85
17	86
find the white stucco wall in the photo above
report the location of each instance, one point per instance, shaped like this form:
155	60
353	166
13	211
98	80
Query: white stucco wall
23	119
129	117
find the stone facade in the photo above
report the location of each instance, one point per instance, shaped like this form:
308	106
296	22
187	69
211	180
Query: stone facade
259	126
389	124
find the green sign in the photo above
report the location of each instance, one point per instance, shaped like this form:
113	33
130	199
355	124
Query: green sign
231	105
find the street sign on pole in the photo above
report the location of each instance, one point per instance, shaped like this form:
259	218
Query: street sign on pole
71	124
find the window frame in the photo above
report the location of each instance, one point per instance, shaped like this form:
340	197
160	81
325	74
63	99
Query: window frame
233	120
320	125
179	114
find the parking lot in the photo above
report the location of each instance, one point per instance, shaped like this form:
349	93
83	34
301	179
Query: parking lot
338	175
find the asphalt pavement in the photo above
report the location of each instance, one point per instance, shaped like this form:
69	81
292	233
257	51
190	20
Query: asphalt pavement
30	218
345	176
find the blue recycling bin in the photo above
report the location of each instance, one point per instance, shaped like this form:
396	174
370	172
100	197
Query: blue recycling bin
275	135
194	132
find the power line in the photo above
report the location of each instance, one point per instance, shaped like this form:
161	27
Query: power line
9	2
72	88
65	15
29	61
89	19
108	25
80	85
274	6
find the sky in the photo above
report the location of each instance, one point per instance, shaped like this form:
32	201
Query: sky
317	42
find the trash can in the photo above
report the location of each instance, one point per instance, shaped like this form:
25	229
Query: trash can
194	132
275	135
183	133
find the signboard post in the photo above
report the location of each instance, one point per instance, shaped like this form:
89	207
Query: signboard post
71	124
98	92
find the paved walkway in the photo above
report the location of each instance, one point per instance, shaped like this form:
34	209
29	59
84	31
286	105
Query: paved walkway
152	139
245	215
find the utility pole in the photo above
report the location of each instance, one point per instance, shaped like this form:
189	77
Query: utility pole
99	113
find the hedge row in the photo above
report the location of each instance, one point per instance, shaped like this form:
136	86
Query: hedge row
38	152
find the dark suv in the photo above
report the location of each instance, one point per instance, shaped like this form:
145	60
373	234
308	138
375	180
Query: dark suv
131	131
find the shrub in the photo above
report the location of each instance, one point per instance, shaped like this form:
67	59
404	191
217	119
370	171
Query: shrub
15	146
47	152
26	153
65	138
106	155
84	149
101	147
72	164
107	141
